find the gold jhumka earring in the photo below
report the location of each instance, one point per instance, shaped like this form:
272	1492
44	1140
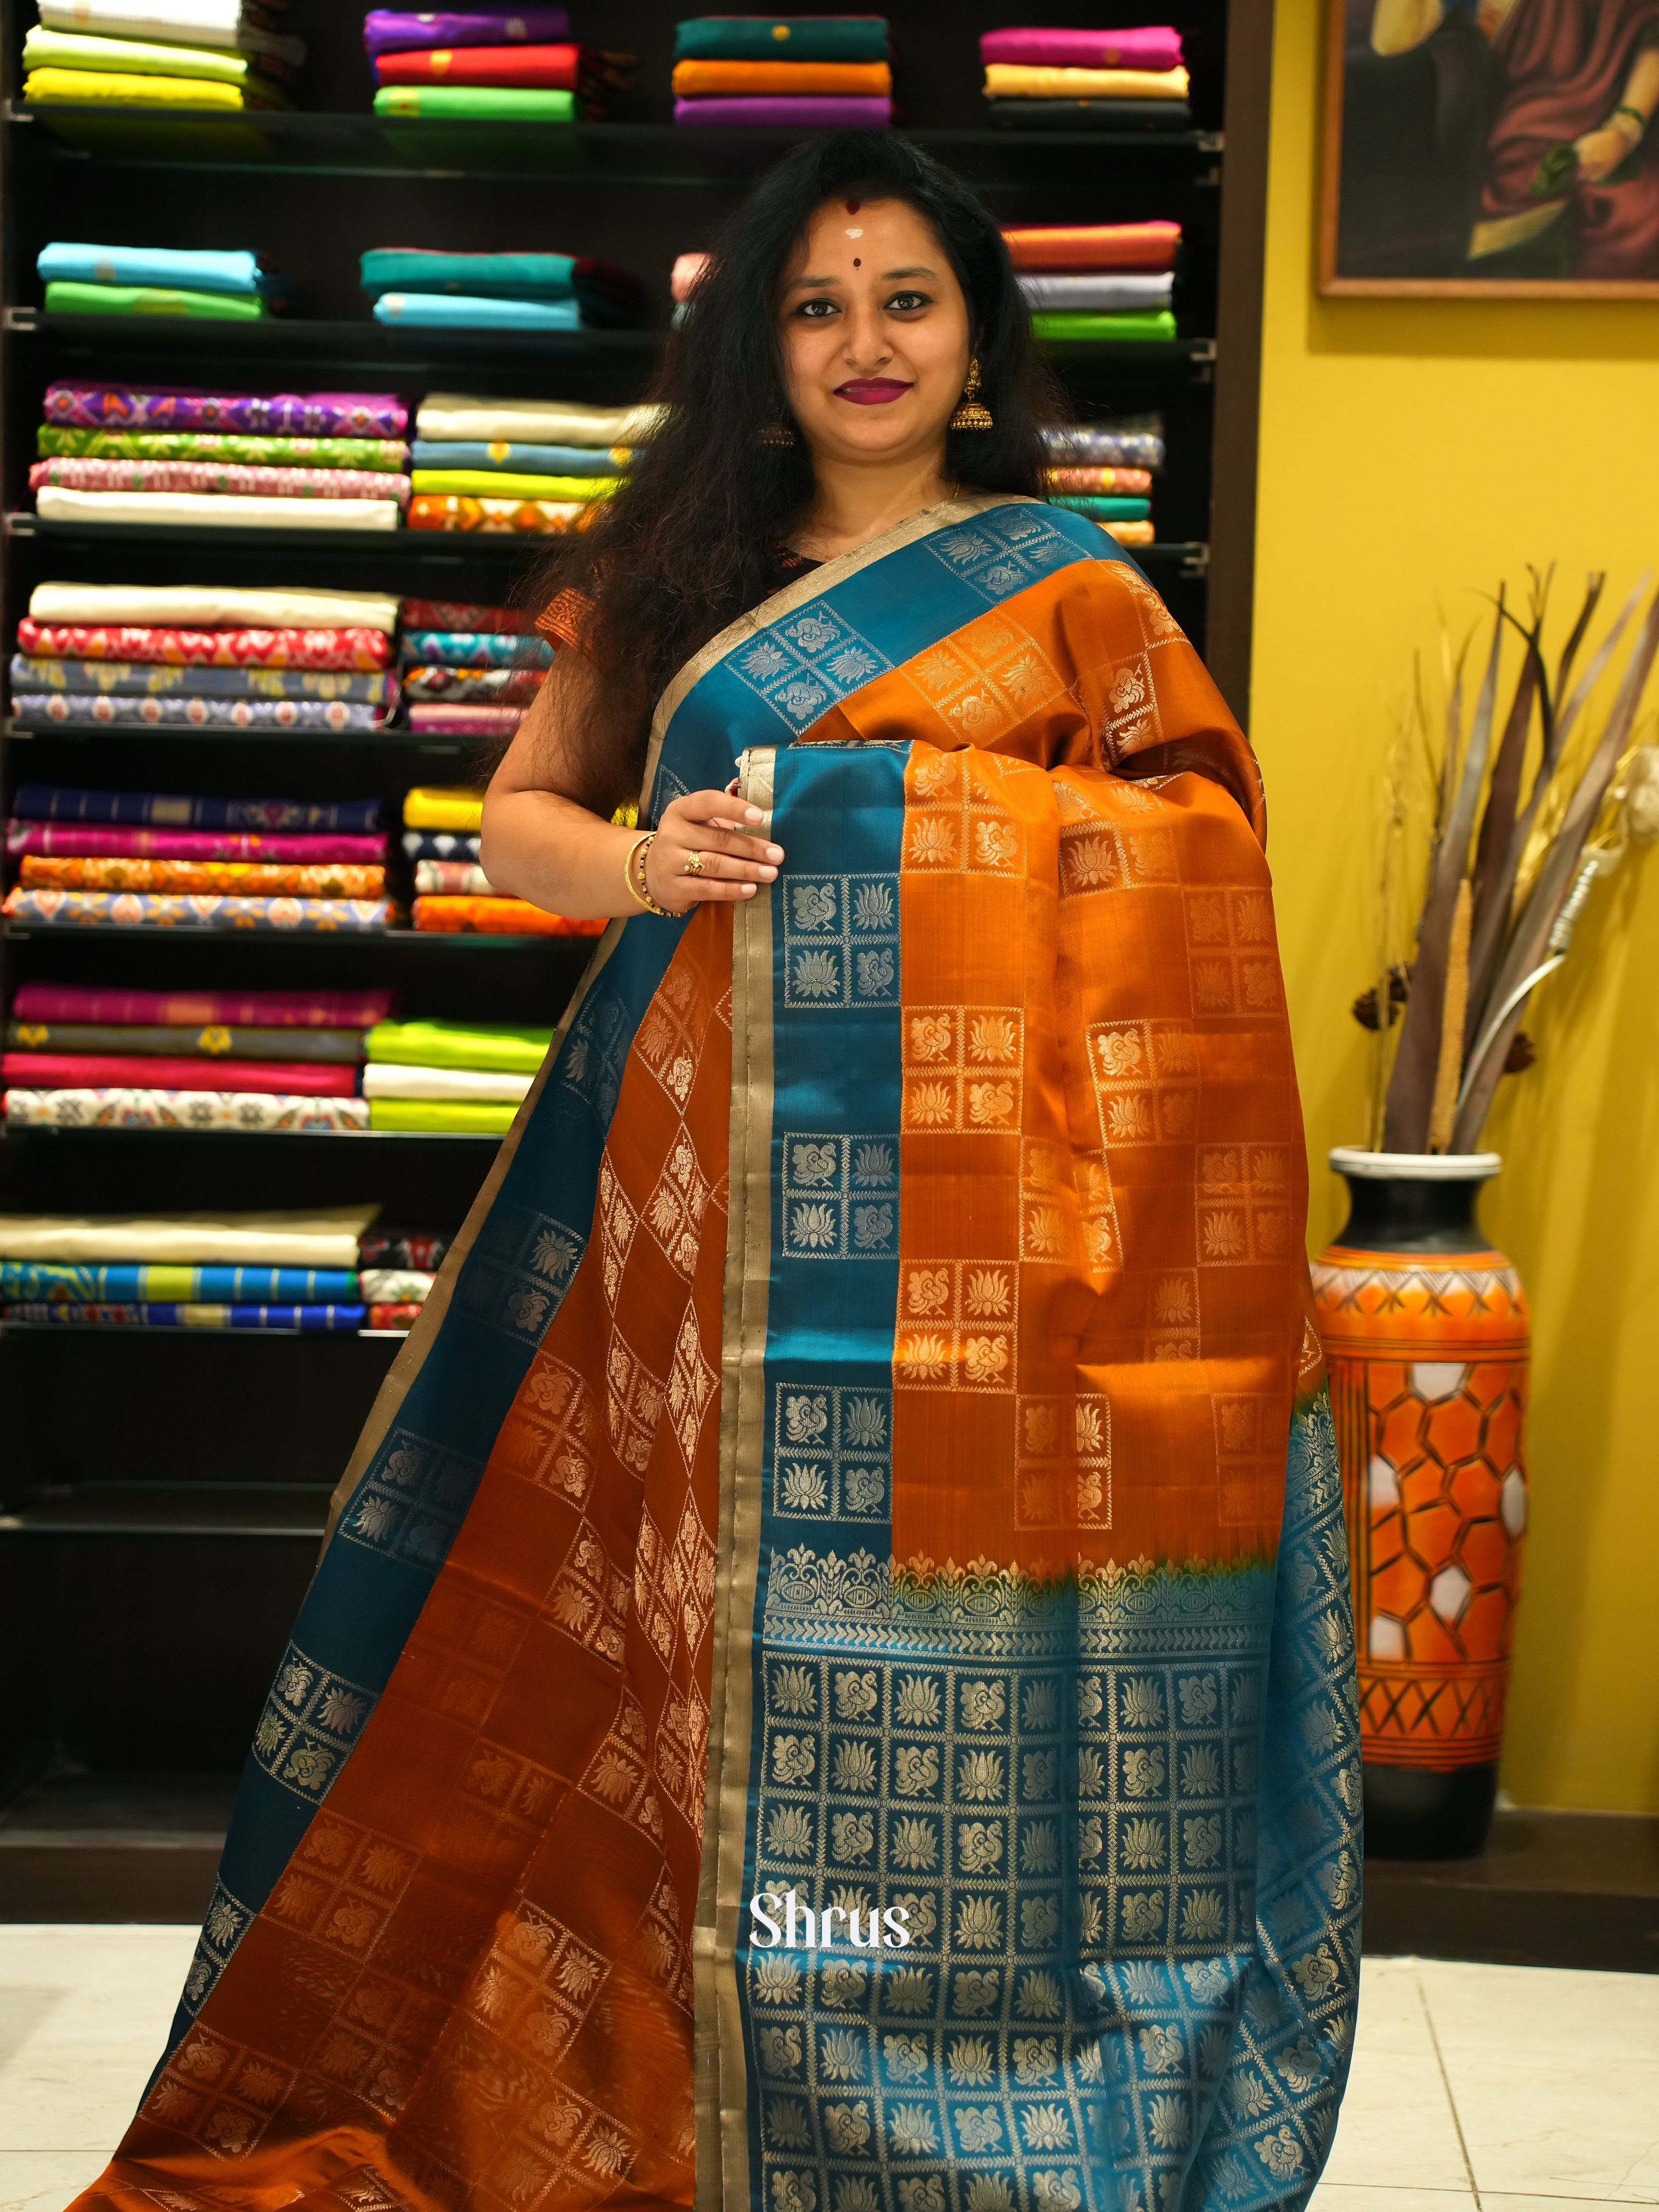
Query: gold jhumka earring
778	433
972	413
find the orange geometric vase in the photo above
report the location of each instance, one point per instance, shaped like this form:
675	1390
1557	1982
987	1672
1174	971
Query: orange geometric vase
1428	1341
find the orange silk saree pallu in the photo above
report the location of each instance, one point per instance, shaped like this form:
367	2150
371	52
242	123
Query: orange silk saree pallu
831	1687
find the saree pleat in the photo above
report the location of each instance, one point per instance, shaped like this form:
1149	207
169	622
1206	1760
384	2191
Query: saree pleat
830	1687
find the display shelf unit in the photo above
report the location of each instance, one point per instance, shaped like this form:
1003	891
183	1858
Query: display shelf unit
183	1474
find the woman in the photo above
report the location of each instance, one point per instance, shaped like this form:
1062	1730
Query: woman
823	1694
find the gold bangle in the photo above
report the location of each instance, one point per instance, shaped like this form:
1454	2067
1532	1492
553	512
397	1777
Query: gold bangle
638	851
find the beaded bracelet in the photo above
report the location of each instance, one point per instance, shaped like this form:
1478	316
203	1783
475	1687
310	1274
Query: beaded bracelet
640	851
1636	116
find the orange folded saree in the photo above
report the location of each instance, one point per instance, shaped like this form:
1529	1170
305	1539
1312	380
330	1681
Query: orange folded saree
831	1684
694	77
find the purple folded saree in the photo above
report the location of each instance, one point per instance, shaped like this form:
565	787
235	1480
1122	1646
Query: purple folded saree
394	30
1151	46
797	110
177	407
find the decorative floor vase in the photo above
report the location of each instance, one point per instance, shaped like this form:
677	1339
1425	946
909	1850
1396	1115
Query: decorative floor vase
1427	1337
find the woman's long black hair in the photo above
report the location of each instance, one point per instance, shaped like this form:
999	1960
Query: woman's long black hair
690	541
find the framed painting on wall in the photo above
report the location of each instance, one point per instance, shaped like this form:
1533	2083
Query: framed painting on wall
1486	148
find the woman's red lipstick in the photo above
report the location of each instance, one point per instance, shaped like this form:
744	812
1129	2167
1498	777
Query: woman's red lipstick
871	390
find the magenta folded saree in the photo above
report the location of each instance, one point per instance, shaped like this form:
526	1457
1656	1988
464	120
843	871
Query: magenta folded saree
788	111
1150	46
85	1071
77	840
209	476
93	1002
178	407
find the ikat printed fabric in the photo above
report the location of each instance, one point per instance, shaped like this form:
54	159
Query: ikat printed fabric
831	1687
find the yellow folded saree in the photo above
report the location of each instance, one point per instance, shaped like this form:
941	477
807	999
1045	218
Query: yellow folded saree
1016	80
47	87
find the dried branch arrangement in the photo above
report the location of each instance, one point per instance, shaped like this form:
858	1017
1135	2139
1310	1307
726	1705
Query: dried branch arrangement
1508	874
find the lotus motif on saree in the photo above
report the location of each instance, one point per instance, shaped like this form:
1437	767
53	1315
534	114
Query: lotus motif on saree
864	1473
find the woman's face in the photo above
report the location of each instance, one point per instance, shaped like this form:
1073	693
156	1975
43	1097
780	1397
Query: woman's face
875	333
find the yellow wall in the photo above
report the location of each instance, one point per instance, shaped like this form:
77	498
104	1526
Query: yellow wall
1414	454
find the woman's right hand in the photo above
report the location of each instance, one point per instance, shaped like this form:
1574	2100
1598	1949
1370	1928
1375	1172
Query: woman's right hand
730	838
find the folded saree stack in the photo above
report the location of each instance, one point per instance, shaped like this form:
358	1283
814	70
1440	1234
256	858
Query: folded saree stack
469	678
811	72
533	465
450	1077
288	460
487	63
1107	280
145	860
94	1057
1105	470
180	656
263	1271
158	280
431	290
397	1268
1115	79
211	55
435	812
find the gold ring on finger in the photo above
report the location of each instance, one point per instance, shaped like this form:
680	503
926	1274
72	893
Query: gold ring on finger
693	864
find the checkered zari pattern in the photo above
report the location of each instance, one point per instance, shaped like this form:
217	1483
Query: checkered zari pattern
1133	1907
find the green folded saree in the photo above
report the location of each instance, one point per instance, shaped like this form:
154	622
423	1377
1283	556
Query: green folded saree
72	50
442	1116
1101	508
1084	323
475	103
54	443
66	298
502	1047
494	484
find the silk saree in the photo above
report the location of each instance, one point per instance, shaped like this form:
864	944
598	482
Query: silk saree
831	1687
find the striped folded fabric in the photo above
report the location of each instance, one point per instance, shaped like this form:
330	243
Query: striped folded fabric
194	1316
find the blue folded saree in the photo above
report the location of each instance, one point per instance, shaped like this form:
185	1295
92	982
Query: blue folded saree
831	1684
522	461
439	310
476	276
40	1281
164	266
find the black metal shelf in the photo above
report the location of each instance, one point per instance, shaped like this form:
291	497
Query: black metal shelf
151	932
360	143
282	337
394	740
383	348
174	1509
446	546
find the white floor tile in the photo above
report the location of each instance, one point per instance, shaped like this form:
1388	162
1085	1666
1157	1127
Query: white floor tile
1397	2132
83	2014
46	2180
1350	2197
1555	2078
